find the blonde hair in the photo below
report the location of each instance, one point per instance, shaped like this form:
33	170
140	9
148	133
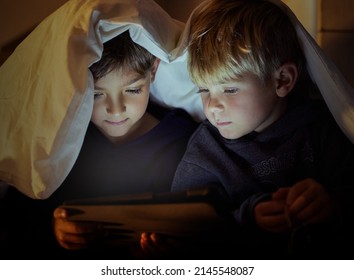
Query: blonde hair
231	38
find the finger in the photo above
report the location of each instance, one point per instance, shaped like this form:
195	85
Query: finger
60	213
304	187
280	194
74	240
82	228
270	216
144	236
316	211
145	241
64	226
147	244
163	242
71	246
275	223
267	208
301	202
302	194
295	192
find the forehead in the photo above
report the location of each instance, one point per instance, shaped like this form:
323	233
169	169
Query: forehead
124	76
245	79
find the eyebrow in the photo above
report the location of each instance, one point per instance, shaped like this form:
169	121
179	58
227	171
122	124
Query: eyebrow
132	81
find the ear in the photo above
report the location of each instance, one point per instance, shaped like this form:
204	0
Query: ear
286	77
154	68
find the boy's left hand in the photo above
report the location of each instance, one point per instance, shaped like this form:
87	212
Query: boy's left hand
306	202
309	202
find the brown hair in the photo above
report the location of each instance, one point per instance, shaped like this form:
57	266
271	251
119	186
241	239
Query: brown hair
120	52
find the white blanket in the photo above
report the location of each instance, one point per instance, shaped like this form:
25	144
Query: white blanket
335	90
46	89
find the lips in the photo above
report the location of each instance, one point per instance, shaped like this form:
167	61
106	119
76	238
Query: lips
218	123
116	123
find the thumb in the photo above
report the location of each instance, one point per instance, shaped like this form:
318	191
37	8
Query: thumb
60	213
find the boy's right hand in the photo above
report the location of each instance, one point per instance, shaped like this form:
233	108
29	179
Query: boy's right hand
72	235
157	245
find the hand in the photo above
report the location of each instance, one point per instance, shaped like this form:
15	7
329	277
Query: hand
309	202
72	235
154	244
271	215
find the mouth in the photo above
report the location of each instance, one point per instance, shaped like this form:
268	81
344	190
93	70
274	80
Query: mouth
117	123
222	124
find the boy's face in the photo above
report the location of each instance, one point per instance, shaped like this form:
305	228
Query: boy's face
239	107
121	99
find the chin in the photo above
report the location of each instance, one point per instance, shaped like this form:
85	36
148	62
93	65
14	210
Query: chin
115	134
231	135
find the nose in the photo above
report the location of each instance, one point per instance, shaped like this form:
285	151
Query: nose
215	104
115	106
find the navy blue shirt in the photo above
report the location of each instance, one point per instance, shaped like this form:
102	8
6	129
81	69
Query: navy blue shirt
145	164
305	143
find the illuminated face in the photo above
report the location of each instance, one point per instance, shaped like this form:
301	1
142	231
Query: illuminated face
241	106
121	99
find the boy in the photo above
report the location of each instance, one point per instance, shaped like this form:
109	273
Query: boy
277	156
131	146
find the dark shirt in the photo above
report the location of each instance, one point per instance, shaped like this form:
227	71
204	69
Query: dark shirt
305	143
146	164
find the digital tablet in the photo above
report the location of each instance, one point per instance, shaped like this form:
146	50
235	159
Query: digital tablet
194	214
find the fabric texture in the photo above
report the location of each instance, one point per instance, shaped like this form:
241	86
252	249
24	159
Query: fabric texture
146	164
305	143
295	147
46	89
334	88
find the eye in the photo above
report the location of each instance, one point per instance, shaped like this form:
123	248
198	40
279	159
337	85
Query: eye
231	91
202	90
133	90
97	95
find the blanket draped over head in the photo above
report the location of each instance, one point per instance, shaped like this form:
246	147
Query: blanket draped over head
335	90
46	89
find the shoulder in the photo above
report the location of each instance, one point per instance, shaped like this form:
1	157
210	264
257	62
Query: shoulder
327	128
305	116
206	138
322	116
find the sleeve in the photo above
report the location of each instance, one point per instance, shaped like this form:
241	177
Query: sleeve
191	176
46	88
244	213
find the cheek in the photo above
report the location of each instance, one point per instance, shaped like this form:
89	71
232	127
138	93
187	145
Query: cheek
96	112
205	103
206	110
138	104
